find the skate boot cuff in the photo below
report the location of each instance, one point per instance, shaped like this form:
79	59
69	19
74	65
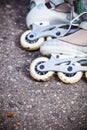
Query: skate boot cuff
61	7
53	3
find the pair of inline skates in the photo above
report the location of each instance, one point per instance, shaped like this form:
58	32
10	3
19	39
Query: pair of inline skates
59	29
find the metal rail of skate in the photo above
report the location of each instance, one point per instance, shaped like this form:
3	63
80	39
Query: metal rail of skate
65	65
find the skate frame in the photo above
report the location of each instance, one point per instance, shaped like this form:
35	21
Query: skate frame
54	31
65	64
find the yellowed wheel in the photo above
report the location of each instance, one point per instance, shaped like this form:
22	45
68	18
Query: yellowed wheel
70	78
86	75
36	74
48	38
30	45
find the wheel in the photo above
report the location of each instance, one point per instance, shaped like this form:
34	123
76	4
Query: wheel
37	75
30	45
86	75
48	38
70	78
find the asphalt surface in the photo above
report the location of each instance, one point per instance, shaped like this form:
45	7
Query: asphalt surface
26	104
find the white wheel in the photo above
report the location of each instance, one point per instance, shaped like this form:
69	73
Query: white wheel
70	78
37	75
30	45
86	75
48	38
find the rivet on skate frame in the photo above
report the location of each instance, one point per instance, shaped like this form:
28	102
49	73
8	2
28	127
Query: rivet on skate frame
41	66
31	36
69	68
58	33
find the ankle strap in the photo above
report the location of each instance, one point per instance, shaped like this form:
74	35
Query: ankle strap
56	2
53	3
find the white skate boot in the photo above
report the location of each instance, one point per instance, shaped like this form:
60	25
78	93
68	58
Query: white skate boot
44	14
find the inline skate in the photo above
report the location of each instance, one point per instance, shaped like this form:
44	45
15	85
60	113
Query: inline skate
47	22
68	57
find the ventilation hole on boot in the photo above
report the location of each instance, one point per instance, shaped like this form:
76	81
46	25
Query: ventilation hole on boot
57	56
41	23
